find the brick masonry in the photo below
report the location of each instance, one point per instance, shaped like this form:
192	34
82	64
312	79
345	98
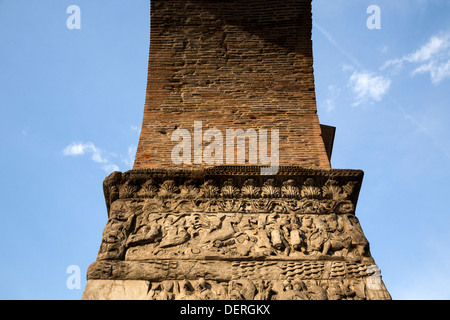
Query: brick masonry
230	232
232	65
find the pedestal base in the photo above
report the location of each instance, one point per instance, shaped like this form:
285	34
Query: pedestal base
228	233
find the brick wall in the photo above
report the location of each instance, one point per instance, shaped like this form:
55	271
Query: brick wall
232	65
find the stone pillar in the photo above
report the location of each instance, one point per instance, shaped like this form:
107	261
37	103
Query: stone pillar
232	65
226	229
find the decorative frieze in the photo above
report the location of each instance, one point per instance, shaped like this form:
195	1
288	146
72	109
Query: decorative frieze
213	190
295	229
226	270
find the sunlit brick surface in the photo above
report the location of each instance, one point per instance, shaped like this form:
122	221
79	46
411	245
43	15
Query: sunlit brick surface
231	64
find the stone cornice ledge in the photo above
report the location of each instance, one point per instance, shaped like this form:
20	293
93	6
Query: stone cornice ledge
235	182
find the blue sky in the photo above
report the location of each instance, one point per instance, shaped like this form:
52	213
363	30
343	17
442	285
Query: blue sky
71	104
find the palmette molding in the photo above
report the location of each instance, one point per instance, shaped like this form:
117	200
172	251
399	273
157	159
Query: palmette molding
238	189
231	213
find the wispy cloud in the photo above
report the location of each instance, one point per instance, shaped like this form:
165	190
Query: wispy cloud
368	87
333	94
435	45
129	159
135	128
97	155
332	40
433	58
103	158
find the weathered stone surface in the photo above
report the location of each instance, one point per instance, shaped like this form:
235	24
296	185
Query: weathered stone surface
225	224
227	213
240	289
177	232
226	270
233	65
116	290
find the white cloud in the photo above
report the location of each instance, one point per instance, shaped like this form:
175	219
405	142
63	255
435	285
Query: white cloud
433	58
110	167
368	87
333	93
329	104
393	64
129	160
384	49
97	155
77	149
438	70
433	47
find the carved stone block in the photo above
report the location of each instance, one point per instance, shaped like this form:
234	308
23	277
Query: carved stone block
206	231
